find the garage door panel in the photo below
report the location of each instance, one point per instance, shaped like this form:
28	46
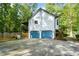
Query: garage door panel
46	34
34	34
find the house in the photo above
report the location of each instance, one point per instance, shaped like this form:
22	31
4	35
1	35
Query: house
43	25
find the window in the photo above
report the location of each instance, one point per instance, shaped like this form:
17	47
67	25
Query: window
57	22
36	22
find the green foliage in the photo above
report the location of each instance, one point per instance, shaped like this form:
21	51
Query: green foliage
25	12
68	20
4	16
53	8
77	18
33	6
12	16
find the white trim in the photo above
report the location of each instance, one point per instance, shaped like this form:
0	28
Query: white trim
28	29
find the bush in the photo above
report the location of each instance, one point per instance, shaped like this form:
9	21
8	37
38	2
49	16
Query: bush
65	35
70	38
77	36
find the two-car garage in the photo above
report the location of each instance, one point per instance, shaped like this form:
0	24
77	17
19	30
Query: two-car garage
42	25
43	34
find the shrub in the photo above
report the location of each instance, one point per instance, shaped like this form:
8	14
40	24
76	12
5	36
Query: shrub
65	35
77	36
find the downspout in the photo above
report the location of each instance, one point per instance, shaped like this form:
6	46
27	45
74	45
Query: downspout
40	23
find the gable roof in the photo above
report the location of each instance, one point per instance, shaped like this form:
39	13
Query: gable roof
44	11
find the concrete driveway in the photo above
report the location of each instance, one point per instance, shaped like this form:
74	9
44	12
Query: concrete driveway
39	48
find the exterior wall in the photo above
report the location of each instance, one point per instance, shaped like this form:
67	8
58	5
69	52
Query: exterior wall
45	22
56	25
32	25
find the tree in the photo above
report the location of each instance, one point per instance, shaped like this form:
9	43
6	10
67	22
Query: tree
76	8
25	12
33	7
5	8
67	19
1	19
53	8
21	13
12	15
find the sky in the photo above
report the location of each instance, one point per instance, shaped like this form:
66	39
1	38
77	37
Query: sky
41	5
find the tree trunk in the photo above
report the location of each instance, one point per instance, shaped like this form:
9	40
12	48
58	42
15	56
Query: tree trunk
71	33
70	29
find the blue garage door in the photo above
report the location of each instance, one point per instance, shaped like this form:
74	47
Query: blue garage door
46	34
34	34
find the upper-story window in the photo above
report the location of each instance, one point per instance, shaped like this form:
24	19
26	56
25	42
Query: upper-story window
57	22
36	22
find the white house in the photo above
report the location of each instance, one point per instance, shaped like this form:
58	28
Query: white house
42	25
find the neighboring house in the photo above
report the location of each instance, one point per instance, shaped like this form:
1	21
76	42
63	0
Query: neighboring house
42	25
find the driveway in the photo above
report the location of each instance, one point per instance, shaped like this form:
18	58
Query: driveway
39	48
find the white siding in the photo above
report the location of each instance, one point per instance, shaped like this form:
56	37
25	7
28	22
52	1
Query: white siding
32	25
45	22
